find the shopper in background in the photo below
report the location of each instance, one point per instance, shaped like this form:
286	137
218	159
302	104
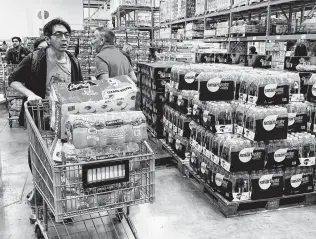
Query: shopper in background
38	44
4	47
16	54
110	62
253	50
47	65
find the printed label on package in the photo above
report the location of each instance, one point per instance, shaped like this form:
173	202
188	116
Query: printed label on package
207	153
270	90
190	77
310	161
245	154
265	181
224	128
215	159
314	90
203	167
219	179
249	134
280	155
299	124
296	180
291	118
205	115
214	84
225	164
241	196
273	94
269	122
239	129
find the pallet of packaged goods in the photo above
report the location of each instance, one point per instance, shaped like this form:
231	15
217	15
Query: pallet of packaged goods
251	146
233	209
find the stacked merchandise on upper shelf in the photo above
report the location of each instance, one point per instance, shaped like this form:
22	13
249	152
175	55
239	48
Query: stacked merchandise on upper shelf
86	55
194	30
137	44
192	51
248	133
178	9
165	13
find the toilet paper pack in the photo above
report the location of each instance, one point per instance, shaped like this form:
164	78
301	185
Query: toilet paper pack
115	94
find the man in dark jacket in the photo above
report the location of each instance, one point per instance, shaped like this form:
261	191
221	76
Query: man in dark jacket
34	75
52	64
16	54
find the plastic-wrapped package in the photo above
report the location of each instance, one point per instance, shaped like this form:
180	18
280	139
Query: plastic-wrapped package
267	184
100	130
269	89
266	123
69	154
217	86
90	97
240	154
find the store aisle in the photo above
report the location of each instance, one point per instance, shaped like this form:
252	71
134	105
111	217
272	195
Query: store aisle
180	210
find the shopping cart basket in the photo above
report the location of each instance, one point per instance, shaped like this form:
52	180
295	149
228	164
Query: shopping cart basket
13	98
85	189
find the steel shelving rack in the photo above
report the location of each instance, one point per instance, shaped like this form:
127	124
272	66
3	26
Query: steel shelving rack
287	8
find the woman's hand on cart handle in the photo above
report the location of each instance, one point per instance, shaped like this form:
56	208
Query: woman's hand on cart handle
34	99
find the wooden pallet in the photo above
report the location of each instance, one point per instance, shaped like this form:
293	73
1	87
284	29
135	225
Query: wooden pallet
232	209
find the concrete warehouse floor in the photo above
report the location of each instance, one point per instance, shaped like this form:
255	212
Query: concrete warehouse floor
180	210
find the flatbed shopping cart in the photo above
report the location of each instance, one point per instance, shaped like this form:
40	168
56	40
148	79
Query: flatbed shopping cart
85	199
12	97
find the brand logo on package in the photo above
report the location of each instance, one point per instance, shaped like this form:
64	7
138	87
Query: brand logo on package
214	84
280	155
118	122
85	85
296	180
265	181
270	90
245	155
291	118
190	77
314	90
203	167
269	122
219	178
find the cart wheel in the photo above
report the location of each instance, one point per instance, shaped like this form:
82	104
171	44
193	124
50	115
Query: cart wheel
38	233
